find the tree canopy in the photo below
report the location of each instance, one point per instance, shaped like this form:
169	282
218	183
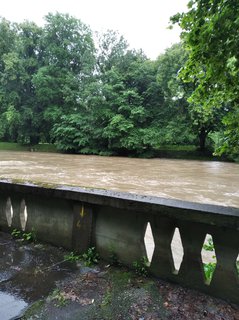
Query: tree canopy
210	35
90	93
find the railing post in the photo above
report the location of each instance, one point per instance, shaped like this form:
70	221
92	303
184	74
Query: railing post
5	209
225	281
120	232
162	260
16	204
82	227
191	270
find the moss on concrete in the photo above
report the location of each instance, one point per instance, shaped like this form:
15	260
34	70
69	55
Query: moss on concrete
34	311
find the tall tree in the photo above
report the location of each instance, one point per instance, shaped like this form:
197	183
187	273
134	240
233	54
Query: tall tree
31	55
9	117
176	122
7	38
111	46
68	67
20	113
210	33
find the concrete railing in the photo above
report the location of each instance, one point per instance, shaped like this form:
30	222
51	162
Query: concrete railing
115	222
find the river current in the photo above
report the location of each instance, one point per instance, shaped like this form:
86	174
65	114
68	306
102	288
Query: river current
198	181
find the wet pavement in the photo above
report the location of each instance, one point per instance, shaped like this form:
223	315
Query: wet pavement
28	272
10	306
36	284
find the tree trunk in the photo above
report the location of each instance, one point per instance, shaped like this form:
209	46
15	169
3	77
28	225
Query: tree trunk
34	140
202	138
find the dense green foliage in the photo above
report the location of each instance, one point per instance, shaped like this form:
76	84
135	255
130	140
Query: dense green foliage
210	35
91	94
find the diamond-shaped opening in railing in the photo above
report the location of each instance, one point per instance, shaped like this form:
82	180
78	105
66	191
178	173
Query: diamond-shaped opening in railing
208	258
23	214
149	242
9	212
177	250
237	265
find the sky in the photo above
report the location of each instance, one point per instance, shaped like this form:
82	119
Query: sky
143	23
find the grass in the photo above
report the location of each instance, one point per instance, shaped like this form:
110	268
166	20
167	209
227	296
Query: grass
33	310
12	146
188	148
188	152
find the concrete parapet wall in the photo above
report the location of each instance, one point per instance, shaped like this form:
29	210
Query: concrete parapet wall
115	222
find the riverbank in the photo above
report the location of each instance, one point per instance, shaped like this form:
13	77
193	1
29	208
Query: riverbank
42	147
171	152
51	284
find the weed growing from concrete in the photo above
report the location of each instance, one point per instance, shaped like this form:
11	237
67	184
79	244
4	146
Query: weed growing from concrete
24	236
141	266
90	257
72	257
16	233
59	298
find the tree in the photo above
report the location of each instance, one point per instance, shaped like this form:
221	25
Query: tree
68	68
12	77
175	120
20	113
30	53
131	97
8	116
111	47
209	32
120	104
7	38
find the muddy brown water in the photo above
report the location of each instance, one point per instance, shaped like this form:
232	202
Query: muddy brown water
199	181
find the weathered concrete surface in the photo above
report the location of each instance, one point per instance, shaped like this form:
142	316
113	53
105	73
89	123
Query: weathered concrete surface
122	200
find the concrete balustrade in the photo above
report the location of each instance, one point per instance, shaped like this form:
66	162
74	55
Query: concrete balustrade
115	223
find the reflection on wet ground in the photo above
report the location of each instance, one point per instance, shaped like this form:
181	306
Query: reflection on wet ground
28	272
10	306
199	181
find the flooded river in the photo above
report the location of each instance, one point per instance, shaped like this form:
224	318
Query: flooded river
198	181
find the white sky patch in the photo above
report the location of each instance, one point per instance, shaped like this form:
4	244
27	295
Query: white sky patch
143	23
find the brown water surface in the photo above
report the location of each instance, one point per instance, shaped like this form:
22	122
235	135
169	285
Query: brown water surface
199	181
